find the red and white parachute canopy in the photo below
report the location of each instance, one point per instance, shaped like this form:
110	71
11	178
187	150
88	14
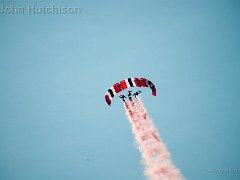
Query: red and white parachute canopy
127	83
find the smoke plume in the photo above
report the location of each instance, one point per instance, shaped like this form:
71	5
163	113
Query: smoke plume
155	156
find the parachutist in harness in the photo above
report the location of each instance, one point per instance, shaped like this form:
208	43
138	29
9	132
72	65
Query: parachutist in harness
130	95
122	97
136	93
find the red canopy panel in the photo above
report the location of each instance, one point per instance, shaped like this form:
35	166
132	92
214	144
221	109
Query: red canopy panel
137	82
143	82
117	87
123	84
154	92
107	98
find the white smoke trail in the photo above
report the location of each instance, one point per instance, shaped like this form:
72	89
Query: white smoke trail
155	155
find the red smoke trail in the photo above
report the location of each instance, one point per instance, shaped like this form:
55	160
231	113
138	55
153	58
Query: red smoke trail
155	155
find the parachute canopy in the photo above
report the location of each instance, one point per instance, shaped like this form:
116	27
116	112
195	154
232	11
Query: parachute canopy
127	83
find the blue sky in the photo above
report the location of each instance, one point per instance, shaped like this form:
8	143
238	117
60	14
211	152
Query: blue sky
55	69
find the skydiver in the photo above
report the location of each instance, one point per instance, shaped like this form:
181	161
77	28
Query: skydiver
122	97
136	93
130	95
